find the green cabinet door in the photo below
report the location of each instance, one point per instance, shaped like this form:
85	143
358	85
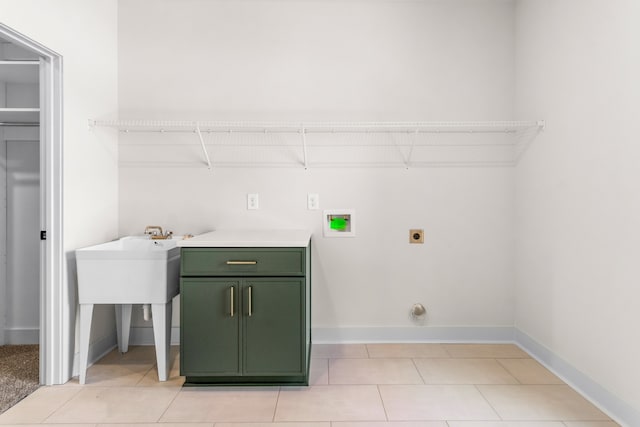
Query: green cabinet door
273	325
210	327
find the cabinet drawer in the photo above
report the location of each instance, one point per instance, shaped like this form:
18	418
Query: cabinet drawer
243	261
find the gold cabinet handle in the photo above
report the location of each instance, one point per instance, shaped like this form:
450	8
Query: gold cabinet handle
232	301
242	262
250	304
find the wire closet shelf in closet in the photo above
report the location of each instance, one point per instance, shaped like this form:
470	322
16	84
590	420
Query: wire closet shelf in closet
152	143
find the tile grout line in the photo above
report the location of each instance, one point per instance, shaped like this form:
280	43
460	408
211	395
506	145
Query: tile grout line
63	405
145	374
413	360
444	347
506	369
384	408
169	405
275	407
508	372
488	403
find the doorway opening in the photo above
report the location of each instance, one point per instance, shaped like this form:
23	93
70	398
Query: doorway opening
32	285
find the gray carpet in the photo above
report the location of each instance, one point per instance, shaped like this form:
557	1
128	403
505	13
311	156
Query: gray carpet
19	373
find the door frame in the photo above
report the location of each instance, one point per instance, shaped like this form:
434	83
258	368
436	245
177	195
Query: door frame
56	343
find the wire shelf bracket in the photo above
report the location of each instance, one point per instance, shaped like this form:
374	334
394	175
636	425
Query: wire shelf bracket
204	148
304	148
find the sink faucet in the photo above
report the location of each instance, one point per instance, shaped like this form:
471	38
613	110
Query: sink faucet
155	232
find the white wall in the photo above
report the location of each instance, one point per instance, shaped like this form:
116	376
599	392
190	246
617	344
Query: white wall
318	60
85	34
578	191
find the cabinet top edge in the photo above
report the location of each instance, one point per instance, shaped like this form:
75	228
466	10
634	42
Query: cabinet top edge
249	239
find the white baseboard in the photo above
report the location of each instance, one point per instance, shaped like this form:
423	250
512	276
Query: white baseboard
144	335
412	334
16	336
606	401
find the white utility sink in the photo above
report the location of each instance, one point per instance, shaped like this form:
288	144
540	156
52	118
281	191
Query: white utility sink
132	270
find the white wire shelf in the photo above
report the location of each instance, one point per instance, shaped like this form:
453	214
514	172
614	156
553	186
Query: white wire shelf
322	144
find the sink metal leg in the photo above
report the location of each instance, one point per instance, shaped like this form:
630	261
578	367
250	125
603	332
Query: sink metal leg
86	314
123	326
161	314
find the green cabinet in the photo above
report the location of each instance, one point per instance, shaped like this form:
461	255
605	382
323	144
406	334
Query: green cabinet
209	332
245	316
273	329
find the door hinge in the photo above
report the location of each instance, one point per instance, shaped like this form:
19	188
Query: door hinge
43	234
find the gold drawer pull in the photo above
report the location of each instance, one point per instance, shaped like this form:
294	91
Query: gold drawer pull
242	262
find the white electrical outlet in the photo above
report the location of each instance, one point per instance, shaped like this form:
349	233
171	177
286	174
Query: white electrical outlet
313	201
252	201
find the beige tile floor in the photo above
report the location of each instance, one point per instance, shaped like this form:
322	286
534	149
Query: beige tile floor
377	385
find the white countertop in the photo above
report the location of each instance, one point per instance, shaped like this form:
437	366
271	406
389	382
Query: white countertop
249	239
